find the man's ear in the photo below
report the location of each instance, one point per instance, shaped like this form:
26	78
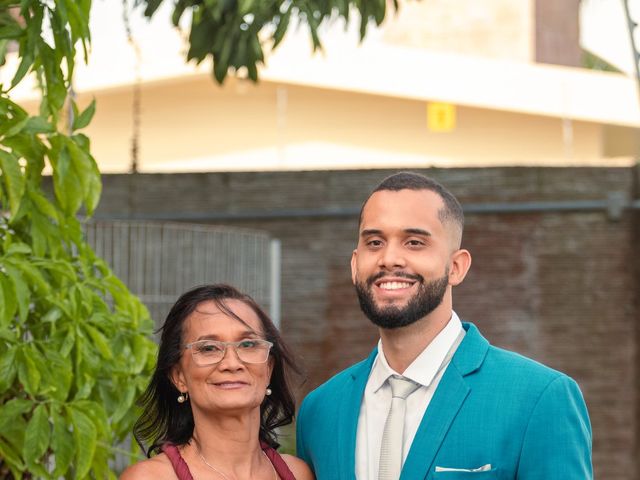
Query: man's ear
177	378
460	264
353	265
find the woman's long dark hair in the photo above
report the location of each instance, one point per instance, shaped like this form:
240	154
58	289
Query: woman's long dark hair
164	420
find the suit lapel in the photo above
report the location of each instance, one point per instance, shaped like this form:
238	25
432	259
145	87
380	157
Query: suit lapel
447	401
445	404
348	413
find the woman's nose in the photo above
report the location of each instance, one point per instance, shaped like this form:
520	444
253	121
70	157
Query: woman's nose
231	360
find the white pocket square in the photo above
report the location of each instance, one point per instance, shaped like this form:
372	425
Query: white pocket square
484	468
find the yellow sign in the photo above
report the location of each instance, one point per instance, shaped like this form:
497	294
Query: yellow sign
441	117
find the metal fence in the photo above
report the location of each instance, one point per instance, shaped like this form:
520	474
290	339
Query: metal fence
160	261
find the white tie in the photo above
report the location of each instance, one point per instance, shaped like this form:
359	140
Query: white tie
392	441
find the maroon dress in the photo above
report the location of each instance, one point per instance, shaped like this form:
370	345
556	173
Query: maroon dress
182	469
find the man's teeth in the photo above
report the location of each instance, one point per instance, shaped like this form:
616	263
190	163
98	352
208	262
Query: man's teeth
394	285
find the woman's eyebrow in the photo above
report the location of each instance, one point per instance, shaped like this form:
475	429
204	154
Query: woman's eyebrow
245	334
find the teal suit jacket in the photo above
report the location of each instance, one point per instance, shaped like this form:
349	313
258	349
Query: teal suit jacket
491	407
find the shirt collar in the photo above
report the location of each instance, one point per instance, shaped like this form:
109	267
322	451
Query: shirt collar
426	365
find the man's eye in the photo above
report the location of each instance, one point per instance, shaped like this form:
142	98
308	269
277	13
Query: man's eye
415	243
374	243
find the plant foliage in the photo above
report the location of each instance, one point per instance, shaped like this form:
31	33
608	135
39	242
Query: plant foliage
74	342
235	33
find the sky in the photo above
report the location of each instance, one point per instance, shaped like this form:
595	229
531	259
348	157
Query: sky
604	31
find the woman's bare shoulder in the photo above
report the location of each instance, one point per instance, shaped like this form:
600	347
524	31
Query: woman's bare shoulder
298	467
151	469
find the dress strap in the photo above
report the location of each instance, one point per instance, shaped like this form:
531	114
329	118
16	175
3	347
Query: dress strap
179	465
282	469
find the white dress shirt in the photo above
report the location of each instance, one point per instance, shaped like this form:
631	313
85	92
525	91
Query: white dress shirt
426	371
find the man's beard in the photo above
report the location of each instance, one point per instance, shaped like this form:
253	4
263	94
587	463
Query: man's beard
428	298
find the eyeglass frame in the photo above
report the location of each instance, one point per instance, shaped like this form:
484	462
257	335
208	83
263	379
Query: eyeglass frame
235	348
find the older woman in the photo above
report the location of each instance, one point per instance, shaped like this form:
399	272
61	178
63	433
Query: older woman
218	393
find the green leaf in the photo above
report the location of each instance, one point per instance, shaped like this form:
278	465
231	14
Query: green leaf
33	275
19	248
178	10
5	320
61	375
13	127
68	342
281	29
40	236
13	422
99	341
11	410
87	170
379	11
13	180
28	373
152	6
61	444
52	315
95	412
23	295
67	185
201	32
221	61
11	455
56	92
38	125
23	68
84	439
43	204
78	19
26	146
10	305
82	120
252	71
7	374
100	466
141	346
126	402
84	384
12	31
37	435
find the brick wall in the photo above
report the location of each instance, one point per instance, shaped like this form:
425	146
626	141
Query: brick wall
559	286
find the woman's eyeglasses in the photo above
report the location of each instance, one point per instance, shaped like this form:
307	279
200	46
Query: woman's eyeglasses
210	352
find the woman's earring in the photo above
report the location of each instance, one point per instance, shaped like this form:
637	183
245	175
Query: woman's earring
268	391
183	397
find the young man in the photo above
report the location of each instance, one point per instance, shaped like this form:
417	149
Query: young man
435	400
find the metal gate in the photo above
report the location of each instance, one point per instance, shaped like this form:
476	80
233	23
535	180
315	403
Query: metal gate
160	261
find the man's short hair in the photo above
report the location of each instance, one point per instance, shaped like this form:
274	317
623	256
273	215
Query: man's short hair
452	210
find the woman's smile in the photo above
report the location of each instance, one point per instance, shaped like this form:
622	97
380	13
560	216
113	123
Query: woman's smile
229	385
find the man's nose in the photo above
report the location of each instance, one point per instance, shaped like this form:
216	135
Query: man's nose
392	257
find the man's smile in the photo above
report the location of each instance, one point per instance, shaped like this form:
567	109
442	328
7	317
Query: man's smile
393	285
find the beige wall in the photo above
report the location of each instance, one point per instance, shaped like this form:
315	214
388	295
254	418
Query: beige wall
492	28
241	124
545	31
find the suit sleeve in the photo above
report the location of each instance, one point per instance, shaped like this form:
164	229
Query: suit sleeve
301	429
557	442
